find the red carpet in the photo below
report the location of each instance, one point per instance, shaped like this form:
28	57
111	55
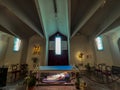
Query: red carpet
55	88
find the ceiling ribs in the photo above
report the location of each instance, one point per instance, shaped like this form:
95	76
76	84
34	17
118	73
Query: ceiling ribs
5	29
8	25
69	17
40	17
110	19
21	17
88	16
115	24
55	7
4	24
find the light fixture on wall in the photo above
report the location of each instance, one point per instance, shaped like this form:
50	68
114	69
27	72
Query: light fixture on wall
81	55
36	49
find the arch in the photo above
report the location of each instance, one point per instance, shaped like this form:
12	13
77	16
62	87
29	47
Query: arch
53	59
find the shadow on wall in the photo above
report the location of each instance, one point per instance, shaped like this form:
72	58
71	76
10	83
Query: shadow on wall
119	44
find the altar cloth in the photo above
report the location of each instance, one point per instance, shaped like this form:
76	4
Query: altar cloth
56	67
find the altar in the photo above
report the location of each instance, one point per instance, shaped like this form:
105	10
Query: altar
55	74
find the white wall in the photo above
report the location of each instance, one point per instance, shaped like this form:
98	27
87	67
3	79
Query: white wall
11	56
24	52
79	44
3	47
113	38
111	53
105	55
41	57
7	55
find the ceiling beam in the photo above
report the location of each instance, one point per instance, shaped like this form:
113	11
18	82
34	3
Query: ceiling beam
115	24
4	22
5	30
40	17
64	16
13	24
21	16
69	24
85	19
69	18
8	28
55	6
110	19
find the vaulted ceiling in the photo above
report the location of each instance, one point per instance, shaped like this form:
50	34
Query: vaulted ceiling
24	18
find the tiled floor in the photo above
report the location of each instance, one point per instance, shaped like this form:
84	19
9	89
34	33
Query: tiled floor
101	82
91	85
18	85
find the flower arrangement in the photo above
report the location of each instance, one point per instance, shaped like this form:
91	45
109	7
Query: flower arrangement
30	81
77	83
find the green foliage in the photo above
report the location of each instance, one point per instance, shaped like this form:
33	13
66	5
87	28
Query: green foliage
30	80
77	83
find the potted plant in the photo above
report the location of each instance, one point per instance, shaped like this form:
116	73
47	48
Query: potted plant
30	82
77	83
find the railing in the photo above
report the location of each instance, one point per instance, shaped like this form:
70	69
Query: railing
104	74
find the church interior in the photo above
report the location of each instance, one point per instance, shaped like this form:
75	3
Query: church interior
59	44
